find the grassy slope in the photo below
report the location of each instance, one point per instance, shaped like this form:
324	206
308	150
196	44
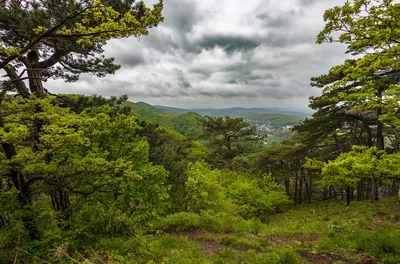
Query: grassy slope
364	232
184	124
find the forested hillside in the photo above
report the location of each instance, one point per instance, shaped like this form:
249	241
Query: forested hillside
273	127
89	179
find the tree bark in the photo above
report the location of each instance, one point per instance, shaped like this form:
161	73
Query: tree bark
287	186
295	188
374	190
379	128
348	196
358	191
61	204
24	194
301	190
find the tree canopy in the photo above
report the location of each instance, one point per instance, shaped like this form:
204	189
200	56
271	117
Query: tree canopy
62	39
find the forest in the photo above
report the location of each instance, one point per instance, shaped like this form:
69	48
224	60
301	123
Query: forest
90	179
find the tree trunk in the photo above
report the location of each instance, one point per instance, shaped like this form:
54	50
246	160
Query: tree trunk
369	134
358	191
287	186
393	189
310	186
35	74
24	194
379	128
348	196
61	204
301	190
3	220
374	190
295	188
18	85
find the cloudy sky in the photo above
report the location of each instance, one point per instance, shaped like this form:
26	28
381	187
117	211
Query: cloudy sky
221	53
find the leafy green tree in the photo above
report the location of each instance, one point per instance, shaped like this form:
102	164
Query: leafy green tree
85	159
284	162
368	83
59	39
360	163
227	138
62	39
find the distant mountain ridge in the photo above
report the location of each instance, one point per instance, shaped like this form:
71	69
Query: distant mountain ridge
274	122
236	111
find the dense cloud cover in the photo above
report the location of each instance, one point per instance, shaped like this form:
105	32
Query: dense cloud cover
221	53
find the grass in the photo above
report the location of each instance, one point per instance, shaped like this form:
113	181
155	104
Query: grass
364	232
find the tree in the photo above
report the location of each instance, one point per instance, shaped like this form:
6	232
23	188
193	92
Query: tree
62	39
58	39
81	161
360	163
227	138
370	29
359	104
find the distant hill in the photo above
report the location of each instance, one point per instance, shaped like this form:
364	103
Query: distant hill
185	124
273	122
238	111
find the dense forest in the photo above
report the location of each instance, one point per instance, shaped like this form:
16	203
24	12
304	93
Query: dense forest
89	179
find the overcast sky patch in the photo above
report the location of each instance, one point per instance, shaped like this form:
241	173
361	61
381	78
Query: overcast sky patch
221	53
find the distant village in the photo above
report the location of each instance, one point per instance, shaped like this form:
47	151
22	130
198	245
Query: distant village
263	126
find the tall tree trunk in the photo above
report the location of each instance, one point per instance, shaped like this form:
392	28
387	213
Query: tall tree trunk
300	201
59	198
287	186
348	196
295	188
3	220
35	74
358	190
310	185
61	204
15	81
24	194
369	133
393	189
374	189
379	128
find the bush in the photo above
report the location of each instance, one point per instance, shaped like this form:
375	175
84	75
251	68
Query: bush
210	220
204	192
226	191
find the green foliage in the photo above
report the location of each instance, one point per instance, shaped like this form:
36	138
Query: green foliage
253	201
276	256
244	243
227	138
71	36
204	190
218	222
381	244
98	161
361	162
224	191
185	124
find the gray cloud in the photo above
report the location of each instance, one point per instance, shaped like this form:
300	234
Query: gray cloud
212	53
181	15
277	19
229	43
182	81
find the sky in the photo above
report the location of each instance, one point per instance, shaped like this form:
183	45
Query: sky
221	53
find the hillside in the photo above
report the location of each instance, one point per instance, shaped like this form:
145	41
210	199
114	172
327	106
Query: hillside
268	121
238	111
184	124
